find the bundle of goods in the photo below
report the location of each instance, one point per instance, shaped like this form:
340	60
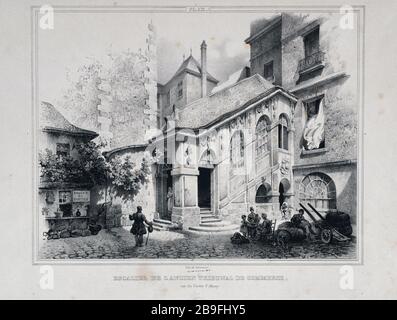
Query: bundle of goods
340	221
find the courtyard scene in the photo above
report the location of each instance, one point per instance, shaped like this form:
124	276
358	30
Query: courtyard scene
242	149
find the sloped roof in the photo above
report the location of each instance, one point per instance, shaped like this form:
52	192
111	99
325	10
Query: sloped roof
192	66
233	79
51	120
208	110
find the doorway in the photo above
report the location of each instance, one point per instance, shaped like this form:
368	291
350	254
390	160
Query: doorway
204	188
164	191
281	191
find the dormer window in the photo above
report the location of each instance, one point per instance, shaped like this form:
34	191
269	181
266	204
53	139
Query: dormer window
180	89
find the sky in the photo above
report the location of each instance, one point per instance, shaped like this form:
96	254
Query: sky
78	36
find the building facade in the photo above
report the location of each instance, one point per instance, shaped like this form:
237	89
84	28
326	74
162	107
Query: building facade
63	205
316	60
283	129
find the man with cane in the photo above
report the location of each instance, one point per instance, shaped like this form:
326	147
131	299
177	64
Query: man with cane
138	228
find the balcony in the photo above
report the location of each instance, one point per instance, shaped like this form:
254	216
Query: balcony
311	63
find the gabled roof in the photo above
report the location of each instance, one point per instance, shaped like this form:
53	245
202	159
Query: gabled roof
207	111
191	65
51	120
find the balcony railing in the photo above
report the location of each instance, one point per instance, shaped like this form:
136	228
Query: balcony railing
310	61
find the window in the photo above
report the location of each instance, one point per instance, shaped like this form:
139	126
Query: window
263	194
65	203
262	136
63	149
311	42
168	97
268	71
319	190
180	89
237	150
313	134
283	133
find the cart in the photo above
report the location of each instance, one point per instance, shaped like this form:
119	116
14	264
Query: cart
328	228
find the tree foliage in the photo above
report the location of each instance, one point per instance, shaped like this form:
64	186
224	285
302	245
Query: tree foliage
120	176
117	81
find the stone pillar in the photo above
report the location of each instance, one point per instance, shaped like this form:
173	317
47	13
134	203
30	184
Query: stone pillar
185	212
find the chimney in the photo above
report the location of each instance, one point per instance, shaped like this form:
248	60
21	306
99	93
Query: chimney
203	69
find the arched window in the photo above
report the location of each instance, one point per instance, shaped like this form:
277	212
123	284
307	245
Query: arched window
237	150
263	194
319	190
262	136
283	132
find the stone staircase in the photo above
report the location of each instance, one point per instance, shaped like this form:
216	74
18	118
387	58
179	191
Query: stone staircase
163	225
211	223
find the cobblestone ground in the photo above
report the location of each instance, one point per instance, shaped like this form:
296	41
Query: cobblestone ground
119	244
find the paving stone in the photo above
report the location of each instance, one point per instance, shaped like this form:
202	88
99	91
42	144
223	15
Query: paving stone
119	244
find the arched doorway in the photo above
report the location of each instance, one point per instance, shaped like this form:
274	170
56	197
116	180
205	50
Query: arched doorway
283	189
263	194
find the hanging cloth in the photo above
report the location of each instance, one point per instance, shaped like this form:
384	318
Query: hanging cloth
313	134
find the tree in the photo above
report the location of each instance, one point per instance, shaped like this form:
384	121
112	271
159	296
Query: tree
118	81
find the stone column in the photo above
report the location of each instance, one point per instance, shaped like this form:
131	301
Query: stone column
185	212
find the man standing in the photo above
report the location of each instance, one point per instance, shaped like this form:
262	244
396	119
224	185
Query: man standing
138	228
252	223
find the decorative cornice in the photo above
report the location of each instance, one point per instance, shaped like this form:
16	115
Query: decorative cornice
324	164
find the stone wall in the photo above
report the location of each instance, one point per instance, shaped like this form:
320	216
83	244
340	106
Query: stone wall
265	49
121	207
172	87
133	120
194	87
345	179
337	83
340	92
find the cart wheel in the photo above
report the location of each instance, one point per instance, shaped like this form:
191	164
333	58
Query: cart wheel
326	235
282	238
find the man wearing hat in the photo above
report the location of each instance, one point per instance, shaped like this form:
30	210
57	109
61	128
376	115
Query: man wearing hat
138	228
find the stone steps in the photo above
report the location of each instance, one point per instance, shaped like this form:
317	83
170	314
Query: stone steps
162	225
206	229
212	219
214	224
206	215
210	223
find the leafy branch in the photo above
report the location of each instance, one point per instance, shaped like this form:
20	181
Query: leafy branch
120	175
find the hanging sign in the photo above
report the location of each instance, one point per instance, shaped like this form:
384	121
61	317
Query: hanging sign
81	196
